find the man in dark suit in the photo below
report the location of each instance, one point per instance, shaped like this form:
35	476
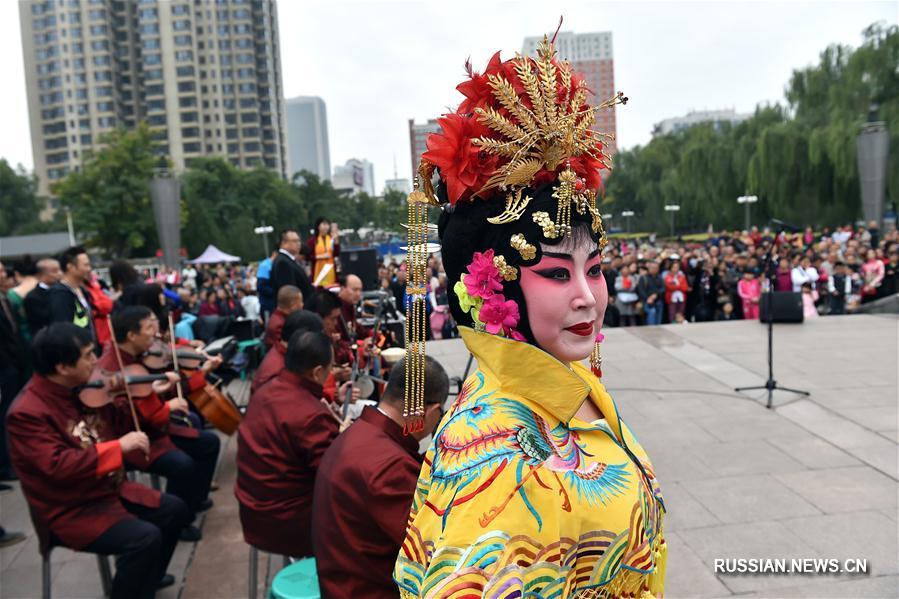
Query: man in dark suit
37	302
285	268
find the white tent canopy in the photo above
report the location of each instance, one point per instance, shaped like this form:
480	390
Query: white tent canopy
213	255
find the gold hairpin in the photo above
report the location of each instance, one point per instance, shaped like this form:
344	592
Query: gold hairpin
509	273
527	250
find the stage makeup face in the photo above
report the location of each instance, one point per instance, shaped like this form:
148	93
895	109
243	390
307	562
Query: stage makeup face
566	299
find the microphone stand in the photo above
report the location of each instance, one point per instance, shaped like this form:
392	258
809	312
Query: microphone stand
771	385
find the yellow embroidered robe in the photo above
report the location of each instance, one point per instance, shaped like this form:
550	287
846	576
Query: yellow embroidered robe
518	498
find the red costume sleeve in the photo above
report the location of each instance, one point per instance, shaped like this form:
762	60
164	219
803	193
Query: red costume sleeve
32	436
329	389
109	457
196	381
153	410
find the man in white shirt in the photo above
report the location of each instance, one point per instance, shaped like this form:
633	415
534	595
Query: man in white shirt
249	302
804	273
189	274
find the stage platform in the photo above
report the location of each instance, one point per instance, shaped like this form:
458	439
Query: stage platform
813	477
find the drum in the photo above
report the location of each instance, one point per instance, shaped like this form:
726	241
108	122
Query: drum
299	580
392	355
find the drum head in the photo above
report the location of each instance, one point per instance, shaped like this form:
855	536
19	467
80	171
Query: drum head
392	355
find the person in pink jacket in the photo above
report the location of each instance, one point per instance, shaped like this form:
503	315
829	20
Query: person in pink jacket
750	290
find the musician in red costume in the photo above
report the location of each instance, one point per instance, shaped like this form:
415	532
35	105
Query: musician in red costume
70	461
183	454
281	440
301	320
364	490
290	299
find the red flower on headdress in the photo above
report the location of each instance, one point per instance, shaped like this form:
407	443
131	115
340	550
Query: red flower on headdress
584	165
463	166
499	314
476	88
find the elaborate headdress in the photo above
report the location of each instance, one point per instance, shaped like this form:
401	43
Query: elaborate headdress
518	161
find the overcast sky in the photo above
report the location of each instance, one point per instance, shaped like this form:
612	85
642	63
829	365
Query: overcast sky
378	64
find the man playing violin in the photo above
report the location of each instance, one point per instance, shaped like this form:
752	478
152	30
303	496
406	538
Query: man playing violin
183	454
70	461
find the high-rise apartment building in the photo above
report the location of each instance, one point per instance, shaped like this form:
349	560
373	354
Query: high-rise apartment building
591	55
204	74
307	137
356	176
716	117
418	135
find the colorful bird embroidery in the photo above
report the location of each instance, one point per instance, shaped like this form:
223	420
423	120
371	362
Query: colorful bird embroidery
469	443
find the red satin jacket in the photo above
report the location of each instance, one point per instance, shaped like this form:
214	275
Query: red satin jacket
363	493
69	461
271	365
281	440
152	411
273	328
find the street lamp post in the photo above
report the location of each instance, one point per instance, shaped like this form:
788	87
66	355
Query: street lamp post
264	230
747	201
672	208
70	226
627	214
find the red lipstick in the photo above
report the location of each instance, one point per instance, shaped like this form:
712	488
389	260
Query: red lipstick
584	329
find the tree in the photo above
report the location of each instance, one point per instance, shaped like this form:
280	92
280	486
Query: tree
110	197
19	205
224	204
800	159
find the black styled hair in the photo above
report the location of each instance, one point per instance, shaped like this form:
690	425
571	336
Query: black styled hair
25	266
306	350
436	383
122	274
464	230
301	320
282	237
147	295
319	221
325	302
128	319
70	256
58	343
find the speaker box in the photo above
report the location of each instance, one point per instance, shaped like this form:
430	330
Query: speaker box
363	263
786	306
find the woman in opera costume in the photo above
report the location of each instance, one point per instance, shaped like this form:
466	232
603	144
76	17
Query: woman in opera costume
533	485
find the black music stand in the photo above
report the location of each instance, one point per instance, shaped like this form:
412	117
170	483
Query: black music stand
771	384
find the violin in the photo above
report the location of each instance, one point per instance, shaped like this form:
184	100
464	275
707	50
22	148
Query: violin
159	357
215	406
103	386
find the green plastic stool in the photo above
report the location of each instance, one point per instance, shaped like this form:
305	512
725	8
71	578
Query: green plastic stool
299	580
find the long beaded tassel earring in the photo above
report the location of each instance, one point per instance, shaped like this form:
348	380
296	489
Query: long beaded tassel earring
596	356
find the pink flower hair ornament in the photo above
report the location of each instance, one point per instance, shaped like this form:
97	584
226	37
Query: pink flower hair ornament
484	277
480	294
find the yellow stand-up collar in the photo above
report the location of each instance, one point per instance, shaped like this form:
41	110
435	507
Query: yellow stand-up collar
540	379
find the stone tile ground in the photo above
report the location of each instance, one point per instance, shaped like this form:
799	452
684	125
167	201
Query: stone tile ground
813	477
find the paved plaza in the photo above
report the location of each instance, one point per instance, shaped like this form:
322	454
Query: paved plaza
814	477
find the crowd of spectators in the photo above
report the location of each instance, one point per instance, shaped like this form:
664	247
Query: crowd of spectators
723	277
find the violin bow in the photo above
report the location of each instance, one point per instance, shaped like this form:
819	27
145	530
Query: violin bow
118	357
175	361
